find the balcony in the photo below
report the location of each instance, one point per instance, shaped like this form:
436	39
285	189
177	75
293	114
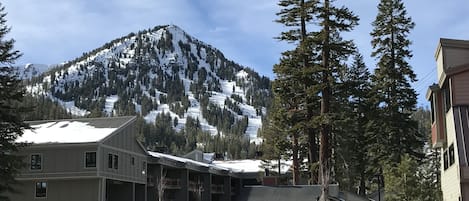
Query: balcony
170	183
438	137
218	189
196	186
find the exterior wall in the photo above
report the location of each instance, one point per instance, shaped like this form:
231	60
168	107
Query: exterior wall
460	84
455	56
450	178
123	144
58	161
125	171
60	190
125	138
439	63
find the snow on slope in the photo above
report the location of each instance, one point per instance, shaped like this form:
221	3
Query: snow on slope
120	53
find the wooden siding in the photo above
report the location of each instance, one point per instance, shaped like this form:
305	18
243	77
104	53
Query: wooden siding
450	177
125	170
460	88
123	143
125	138
59	190
58	161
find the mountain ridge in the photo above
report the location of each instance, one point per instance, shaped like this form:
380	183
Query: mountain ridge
158	71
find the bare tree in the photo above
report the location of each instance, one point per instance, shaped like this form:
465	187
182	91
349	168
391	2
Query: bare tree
161	185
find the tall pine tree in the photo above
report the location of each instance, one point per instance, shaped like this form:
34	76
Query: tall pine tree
290	86
351	168
392	129
334	51
12	124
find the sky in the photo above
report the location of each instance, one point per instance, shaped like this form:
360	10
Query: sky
51	31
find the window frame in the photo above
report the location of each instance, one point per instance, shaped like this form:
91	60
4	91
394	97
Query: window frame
113	161
41	187
31	162
447	97
451	156
445	160
95	160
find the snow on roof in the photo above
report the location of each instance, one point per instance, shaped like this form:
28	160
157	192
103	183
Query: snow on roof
64	132
180	159
251	165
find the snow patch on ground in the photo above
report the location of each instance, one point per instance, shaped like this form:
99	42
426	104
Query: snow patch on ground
109	104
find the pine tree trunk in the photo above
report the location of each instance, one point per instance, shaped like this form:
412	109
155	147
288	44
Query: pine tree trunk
324	151
362	187
312	156
296	172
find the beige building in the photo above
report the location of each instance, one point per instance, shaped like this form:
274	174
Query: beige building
450	117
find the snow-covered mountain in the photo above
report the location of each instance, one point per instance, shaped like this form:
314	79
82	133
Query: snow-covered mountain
161	70
32	70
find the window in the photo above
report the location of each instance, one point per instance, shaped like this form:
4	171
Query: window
132	161
113	161
36	162
90	159
116	161
109	161
445	160
41	189
451	154
446	97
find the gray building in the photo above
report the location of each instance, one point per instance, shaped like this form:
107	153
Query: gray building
99	159
82	159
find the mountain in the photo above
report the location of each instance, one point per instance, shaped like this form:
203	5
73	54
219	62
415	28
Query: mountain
32	70
161	73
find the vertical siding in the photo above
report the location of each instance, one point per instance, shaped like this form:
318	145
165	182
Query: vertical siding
126	138
450	178
460	89
124	144
125	171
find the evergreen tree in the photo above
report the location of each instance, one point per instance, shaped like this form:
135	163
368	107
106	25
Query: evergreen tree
294	76
12	124
392	129
334	51
403	182
351	167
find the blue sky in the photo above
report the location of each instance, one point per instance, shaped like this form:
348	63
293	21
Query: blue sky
52	31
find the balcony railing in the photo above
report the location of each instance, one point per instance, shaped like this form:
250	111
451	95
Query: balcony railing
170	183
195	186
218	189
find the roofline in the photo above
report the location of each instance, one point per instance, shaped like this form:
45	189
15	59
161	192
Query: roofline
130	121
48	144
431	89
75	119
446	42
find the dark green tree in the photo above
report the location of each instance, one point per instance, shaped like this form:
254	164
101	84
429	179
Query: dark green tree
12	124
334	51
294	77
392	129
351	168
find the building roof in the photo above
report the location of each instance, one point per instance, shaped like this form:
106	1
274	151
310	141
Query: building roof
72	130
253	166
